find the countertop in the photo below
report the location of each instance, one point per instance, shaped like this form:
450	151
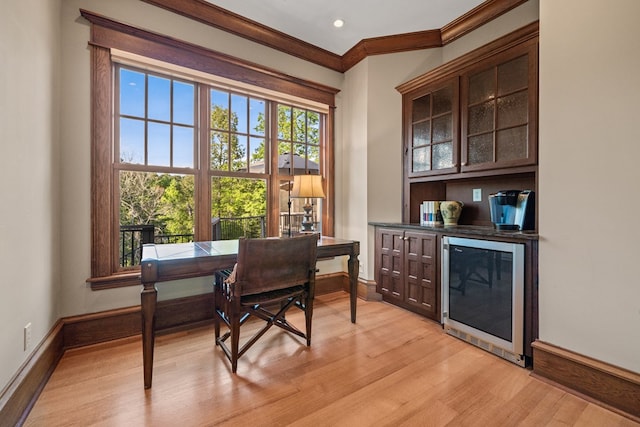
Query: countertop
466	230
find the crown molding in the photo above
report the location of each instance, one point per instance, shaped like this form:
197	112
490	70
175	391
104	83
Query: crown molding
477	17
390	44
111	34
215	16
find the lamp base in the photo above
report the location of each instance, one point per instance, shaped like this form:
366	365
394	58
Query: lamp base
307	218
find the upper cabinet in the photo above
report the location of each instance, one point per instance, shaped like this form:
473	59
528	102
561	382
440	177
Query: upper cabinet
499	111
432	128
476	113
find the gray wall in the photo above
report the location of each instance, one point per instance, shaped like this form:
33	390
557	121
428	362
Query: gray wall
589	176
30	175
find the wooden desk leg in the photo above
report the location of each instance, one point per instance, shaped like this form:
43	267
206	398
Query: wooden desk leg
148	299
354	268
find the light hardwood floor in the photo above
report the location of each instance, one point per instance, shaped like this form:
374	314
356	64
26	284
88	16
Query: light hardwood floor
391	368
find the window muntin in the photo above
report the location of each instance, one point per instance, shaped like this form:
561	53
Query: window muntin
156	119
153	208
299	148
298	135
237	130
156	144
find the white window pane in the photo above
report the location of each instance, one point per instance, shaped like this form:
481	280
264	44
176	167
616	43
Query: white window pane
132	93
239	119
258	164
219	110
159	144
131	141
239	155
159	103
257	115
182	147
183	103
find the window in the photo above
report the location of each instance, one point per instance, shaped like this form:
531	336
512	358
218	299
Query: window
154	161
184	137
299	149
156	169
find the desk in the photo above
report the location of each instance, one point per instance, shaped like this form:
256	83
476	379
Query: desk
161	263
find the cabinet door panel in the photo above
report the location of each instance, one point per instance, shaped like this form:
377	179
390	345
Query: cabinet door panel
481	87
512	75
513	110
422	133
420	261
421	159
421	108
511	144
443	101
481	118
442	129
443	155
389	262
480	149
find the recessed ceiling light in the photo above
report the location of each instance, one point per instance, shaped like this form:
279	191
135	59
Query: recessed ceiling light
338	23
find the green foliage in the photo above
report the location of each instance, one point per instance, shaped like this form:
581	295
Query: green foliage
178	205
140	195
168	201
238	197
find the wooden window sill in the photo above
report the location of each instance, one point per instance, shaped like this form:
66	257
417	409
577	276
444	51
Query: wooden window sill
119	280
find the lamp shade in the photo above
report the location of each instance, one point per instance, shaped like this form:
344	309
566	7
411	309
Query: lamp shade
307	186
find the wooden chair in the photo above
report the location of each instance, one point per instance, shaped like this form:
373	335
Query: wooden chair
270	272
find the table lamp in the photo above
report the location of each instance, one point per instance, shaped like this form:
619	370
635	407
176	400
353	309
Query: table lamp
307	187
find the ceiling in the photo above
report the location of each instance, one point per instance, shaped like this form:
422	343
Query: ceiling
361	20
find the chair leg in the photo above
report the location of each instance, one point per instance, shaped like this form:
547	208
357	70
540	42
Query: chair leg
216	316
234	327
308	314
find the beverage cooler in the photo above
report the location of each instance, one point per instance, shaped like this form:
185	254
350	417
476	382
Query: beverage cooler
483	294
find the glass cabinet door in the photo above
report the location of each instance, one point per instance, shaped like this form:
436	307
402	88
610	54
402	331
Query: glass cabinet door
432	145
499	113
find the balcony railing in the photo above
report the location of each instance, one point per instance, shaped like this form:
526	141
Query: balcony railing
132	237
234	228
290	224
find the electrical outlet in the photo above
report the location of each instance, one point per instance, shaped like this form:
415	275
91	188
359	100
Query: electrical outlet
27	336
477	194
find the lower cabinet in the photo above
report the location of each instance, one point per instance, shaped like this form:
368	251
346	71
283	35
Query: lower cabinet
406	270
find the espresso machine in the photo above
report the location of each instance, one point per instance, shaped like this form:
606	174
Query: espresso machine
513	210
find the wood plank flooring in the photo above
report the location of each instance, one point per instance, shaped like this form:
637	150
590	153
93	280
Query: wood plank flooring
391	368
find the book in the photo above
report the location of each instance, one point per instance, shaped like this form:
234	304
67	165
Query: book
430	213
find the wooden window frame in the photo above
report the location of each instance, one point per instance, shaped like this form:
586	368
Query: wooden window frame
107	34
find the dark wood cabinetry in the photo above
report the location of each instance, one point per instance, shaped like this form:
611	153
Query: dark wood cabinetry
406	270
468	125
472	119
432	128
499	110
